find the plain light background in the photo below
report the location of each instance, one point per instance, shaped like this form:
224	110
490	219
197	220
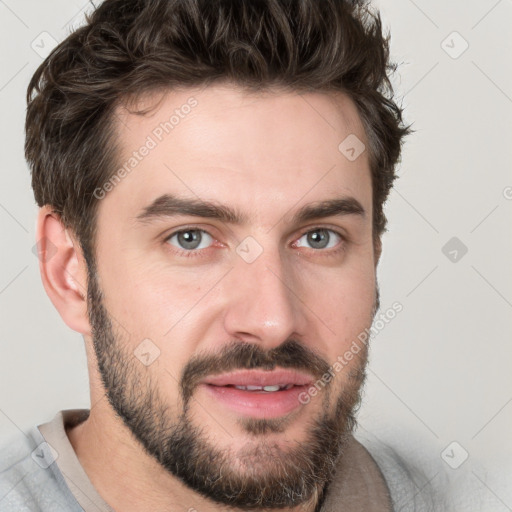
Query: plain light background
439	385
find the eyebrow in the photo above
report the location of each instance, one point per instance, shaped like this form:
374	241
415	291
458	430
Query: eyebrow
169	205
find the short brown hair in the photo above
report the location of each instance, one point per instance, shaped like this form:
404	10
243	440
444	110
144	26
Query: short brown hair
129	47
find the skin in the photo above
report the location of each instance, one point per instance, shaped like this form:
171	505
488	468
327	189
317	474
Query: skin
266	155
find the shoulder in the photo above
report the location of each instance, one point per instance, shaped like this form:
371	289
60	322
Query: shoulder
409	486
358	483
29	479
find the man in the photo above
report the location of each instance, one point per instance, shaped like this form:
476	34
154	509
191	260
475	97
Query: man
211	178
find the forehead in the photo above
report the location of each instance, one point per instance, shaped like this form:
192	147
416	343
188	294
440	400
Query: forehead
269	149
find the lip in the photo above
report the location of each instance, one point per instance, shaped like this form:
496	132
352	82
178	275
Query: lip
281	377
258	404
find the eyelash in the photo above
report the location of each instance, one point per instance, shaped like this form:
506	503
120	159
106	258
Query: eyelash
193	253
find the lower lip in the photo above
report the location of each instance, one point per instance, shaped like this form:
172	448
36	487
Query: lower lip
258	404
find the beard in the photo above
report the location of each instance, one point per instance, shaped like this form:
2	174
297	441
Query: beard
262	473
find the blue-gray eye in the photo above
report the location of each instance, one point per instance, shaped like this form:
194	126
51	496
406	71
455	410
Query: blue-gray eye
321	239
190	239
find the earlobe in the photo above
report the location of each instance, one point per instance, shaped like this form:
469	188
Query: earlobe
63	270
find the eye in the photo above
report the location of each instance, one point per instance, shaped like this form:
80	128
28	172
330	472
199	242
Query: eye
320	238
190	239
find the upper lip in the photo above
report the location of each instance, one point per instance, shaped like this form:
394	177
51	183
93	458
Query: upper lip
278	377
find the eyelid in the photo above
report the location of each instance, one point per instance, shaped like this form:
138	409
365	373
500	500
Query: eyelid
329	227
193	227
182	229
304	231
191	253
337	231
203	231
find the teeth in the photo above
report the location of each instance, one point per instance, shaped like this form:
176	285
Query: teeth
264	388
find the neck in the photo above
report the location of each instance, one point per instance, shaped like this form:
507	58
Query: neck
129	479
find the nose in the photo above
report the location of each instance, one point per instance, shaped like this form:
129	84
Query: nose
264	305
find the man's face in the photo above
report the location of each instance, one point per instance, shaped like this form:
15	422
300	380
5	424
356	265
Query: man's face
186	304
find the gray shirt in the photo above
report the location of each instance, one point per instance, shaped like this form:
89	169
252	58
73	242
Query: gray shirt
41	472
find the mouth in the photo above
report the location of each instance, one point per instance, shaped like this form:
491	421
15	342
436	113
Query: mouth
257	393
266	389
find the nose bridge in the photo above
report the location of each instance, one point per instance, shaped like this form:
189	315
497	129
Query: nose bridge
264	305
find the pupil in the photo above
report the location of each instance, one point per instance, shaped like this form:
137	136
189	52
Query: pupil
189	239
318	239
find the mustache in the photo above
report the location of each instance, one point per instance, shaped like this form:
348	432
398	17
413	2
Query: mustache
250	356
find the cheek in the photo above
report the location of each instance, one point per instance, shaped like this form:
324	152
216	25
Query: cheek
153	296
343	300
346	306
163	305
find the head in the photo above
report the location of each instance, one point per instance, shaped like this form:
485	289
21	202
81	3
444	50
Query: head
218	172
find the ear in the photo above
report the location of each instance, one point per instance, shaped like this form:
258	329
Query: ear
63	270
